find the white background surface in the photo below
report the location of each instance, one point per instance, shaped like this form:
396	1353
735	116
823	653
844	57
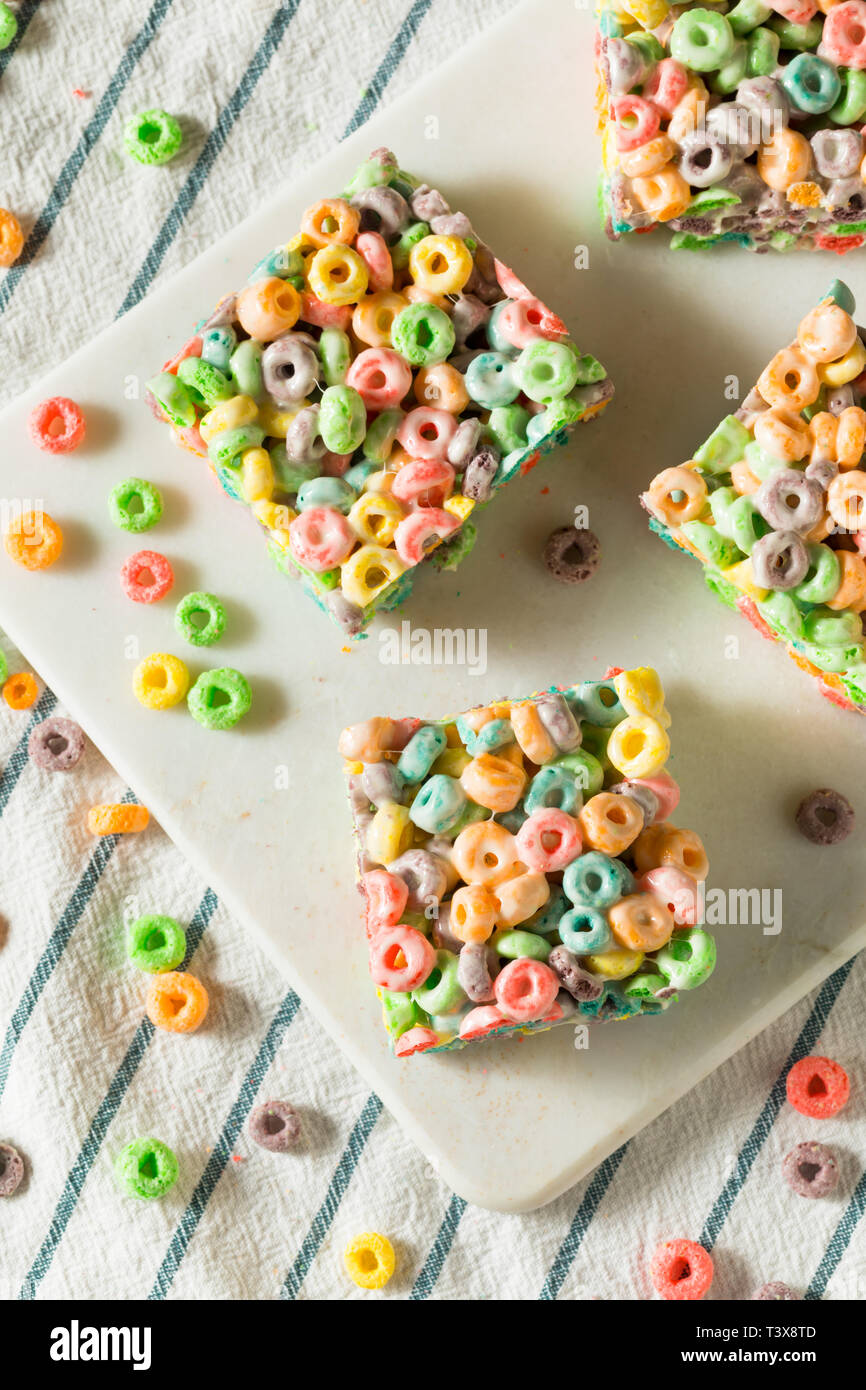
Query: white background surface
749	735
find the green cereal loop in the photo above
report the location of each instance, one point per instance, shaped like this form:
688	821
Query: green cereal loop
747	15
342	419
762	53
156	943
585	768
507	427
423	334
648	45
546	371
702	40
236	698
801	36
206	380
123	494
731	73
514	945
828	629
781	613
146	1168
851	105
822	577
717	550
290	475
721	588
561	415
8	26
441	993
173	397
373	173
379	439
195	605
152	137
225	446
399	1012
245	366
335	353
453	551
401	249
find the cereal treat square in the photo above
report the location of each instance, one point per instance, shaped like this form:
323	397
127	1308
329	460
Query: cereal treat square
376	381
773	504
734	121
518	866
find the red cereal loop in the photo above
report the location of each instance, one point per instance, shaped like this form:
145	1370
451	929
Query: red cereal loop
681	1270
839	244
751	614
135	581
818	1087
417	1039
57	425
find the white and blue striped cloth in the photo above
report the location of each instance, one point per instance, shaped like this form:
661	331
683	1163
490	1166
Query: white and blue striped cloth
263	89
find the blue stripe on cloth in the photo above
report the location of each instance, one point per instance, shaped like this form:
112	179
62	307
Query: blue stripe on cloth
439	1250
388	66
105	1116
589	1205
753	1145
57	943
212	147
839	1243
19	756
87	140
23	14
222	1149
334	1196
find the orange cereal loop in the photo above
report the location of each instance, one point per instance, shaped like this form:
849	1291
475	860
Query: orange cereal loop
268	308
645	850
686	114
648	158
790	381
532	737
677	495
785	159
417	294
852	589
11	238
663	195
176	1002
827	332
331	221
610	823
684	850
823	429
34	540
118	818
641	922
442	388
804	195
21	690
494	782
743	480
783	433
851	437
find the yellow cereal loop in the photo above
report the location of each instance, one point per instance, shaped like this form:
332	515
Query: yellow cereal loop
275	516
440	264
369	1260
451	762
389	833
742	578
257	475
274	421
648	13
160	681
638	746
375	517
369	572
458	505
228	415
374	316
338	275
839	373
614	965
640	692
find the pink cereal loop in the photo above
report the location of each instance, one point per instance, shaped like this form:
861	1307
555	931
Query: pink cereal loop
645	118
423	525
548	840
524	320
481	1021
417	1039
667	86
386	896
373	250
400	958
160	570
667	791
57	425
426	481
189	437
324	315
509	283
191	348
526	990
426	432
676	889
380	376
843	38
321	538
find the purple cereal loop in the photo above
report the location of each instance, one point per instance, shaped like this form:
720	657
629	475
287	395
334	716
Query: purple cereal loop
572	555
825	817
775	1292
275	1126
558	720
383	210
442	935
473	972
753	406
427	203
643	795
483	282
468	315
731	125
779	560
359	801
424	876
704	160
290	369
479	475
773	501
302	442
839	399
845	199
837	153
811	1170
382	782
822	471
568	970
463	443
56	744
625	65
452	224
349	616
224	313
11	1170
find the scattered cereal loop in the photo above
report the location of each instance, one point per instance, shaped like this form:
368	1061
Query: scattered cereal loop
176	1002
369	1260
11	1170
188	619
135	505
21	690
275	1126
152	137
818	1087
117	818
146	576
681	1270
156	943
160	681
219	698
57	425
146	1169
56	745
11	238
34	540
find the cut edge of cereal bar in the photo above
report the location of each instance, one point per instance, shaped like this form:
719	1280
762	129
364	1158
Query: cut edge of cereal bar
322	414
518	865
701	507
722	158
